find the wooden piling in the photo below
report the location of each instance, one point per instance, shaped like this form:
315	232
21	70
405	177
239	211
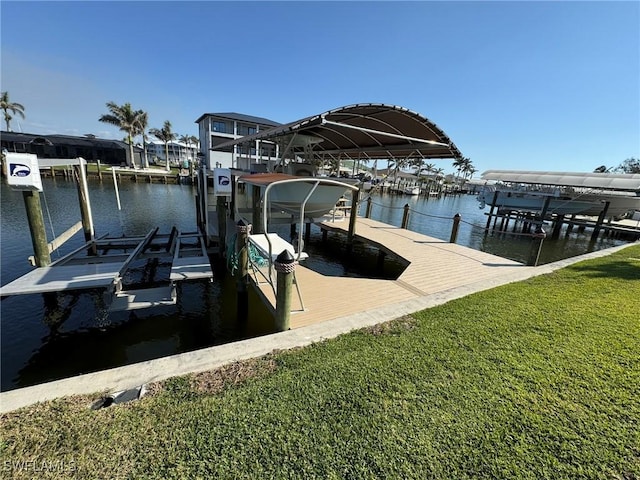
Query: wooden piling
355	196
99	170
221	211
557	226
600	221
454	229
85	205
368	211
36	227
285	266
493	205
405	216
307	233
242	273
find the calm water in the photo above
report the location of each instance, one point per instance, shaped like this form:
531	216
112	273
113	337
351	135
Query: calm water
42	342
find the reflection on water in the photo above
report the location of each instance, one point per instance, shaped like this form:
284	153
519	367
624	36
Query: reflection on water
45	337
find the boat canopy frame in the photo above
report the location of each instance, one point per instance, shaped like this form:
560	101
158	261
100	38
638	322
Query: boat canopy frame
367	131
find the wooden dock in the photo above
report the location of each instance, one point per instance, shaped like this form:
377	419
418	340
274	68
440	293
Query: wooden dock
434	266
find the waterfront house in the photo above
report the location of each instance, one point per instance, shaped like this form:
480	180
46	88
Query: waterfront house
89	147
217	128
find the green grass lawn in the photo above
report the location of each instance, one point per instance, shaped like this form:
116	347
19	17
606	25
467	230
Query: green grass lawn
539	379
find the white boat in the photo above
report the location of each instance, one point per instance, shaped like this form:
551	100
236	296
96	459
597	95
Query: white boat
302	197
412	190
508	199
582	197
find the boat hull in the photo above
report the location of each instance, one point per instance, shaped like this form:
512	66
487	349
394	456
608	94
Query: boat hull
584	204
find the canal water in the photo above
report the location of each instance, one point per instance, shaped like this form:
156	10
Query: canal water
40	342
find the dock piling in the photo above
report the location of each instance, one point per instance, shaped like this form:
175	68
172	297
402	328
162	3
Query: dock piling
285	266
355	196
242	275
368	211
405	216
454	229
36	227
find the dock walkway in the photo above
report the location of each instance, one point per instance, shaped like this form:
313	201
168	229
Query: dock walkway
435	266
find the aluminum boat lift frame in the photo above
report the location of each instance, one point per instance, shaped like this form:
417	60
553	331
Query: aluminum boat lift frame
75	271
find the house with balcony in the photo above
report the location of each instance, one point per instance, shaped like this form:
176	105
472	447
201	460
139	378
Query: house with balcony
217	128
179	152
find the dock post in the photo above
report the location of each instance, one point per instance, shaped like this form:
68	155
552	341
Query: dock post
99	170
493	205
256	216
221	210
85	206
454	229
285	266
368	211
242	275
355	196
36	227
405	216
600	221
536	246
558	226
307	233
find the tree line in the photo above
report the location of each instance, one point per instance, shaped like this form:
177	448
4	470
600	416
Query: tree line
135	123
630	165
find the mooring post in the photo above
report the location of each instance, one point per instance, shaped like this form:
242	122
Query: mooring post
355	196
536	246
36	227
368	211
557	226
600	221
221	210
454	229
405	216
242	274
285	266
493	205
99	170
307	233
85	206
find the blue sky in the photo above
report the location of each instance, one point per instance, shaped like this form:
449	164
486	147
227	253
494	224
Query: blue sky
516	85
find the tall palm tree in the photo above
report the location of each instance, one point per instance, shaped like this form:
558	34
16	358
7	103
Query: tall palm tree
143	123
126	119
165	135
8	106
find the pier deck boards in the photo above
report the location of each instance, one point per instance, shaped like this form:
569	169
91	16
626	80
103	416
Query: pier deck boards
434	266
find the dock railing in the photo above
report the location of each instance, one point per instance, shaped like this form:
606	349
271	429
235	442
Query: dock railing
531	229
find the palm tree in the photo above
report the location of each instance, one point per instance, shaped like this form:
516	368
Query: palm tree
165	135
7	106
126	119
143	123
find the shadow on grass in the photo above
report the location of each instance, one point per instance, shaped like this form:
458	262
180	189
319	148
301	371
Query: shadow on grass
624	269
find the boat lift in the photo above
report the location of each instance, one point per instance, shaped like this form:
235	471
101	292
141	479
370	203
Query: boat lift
94	265
107	270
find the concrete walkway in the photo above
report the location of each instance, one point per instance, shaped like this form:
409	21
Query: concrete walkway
129	376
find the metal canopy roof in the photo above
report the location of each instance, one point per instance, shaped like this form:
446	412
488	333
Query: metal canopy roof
605	181
370	130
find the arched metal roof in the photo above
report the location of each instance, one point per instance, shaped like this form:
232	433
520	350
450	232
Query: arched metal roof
604	181
365	130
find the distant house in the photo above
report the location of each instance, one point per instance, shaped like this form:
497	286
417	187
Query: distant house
89	147
216	128
178	152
